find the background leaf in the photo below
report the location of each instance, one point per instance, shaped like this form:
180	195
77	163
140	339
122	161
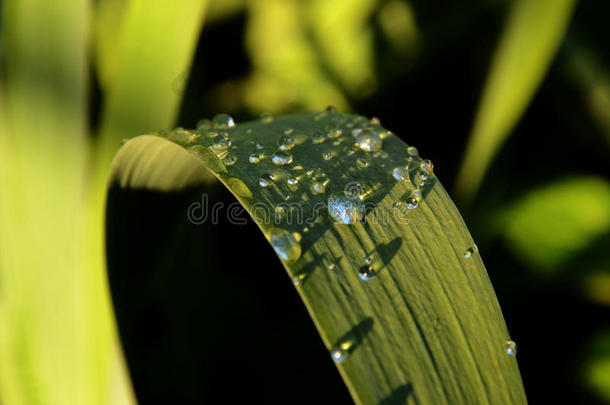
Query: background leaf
528	44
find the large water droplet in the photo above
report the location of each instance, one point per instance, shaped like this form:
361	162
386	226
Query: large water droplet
265	180
367	273
369	141
511	347
281	158
400	173
223	121
286	244
345	208
285	142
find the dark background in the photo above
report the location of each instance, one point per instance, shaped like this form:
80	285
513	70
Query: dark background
230	328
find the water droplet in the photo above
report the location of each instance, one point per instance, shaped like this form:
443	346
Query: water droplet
258	146
298	279
333	132
286	244
281	158
375	121
266	118
511	347
469	252
223	121
254	158
367	273
338	355
368	260
318	188
397	205
357	131
331	266
412	203
362	163
220	146
345	208
423	176
285	142
292	182
426	166
288	131
229	160
400	173
328	155
412	150
369	141
318	137
265	180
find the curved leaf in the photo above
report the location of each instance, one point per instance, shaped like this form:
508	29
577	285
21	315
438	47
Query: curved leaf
427	329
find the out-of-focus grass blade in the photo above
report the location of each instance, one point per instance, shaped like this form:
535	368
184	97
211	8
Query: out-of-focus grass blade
528	44
57	342
427	329
156	46
287	73
107	24
551	224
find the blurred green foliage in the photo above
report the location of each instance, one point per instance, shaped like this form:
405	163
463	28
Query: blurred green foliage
77	77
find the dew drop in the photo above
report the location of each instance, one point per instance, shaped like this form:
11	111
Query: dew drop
362	163
338	355
223	121
285	142
331	266
258	146
318	137
367	273
265	180
203	124
254	158
328	155
412	203
423	176
369	141
288	131
292	181
281	158
412	150
400	173
229	160
345	208
266	118
469	252
318	188
368	260
397	206
511	347
286	244
221	146
426	166
333	132
298	279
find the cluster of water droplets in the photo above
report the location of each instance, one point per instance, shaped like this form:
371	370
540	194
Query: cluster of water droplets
355	142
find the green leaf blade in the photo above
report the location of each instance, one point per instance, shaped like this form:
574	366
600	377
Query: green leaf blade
427	329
